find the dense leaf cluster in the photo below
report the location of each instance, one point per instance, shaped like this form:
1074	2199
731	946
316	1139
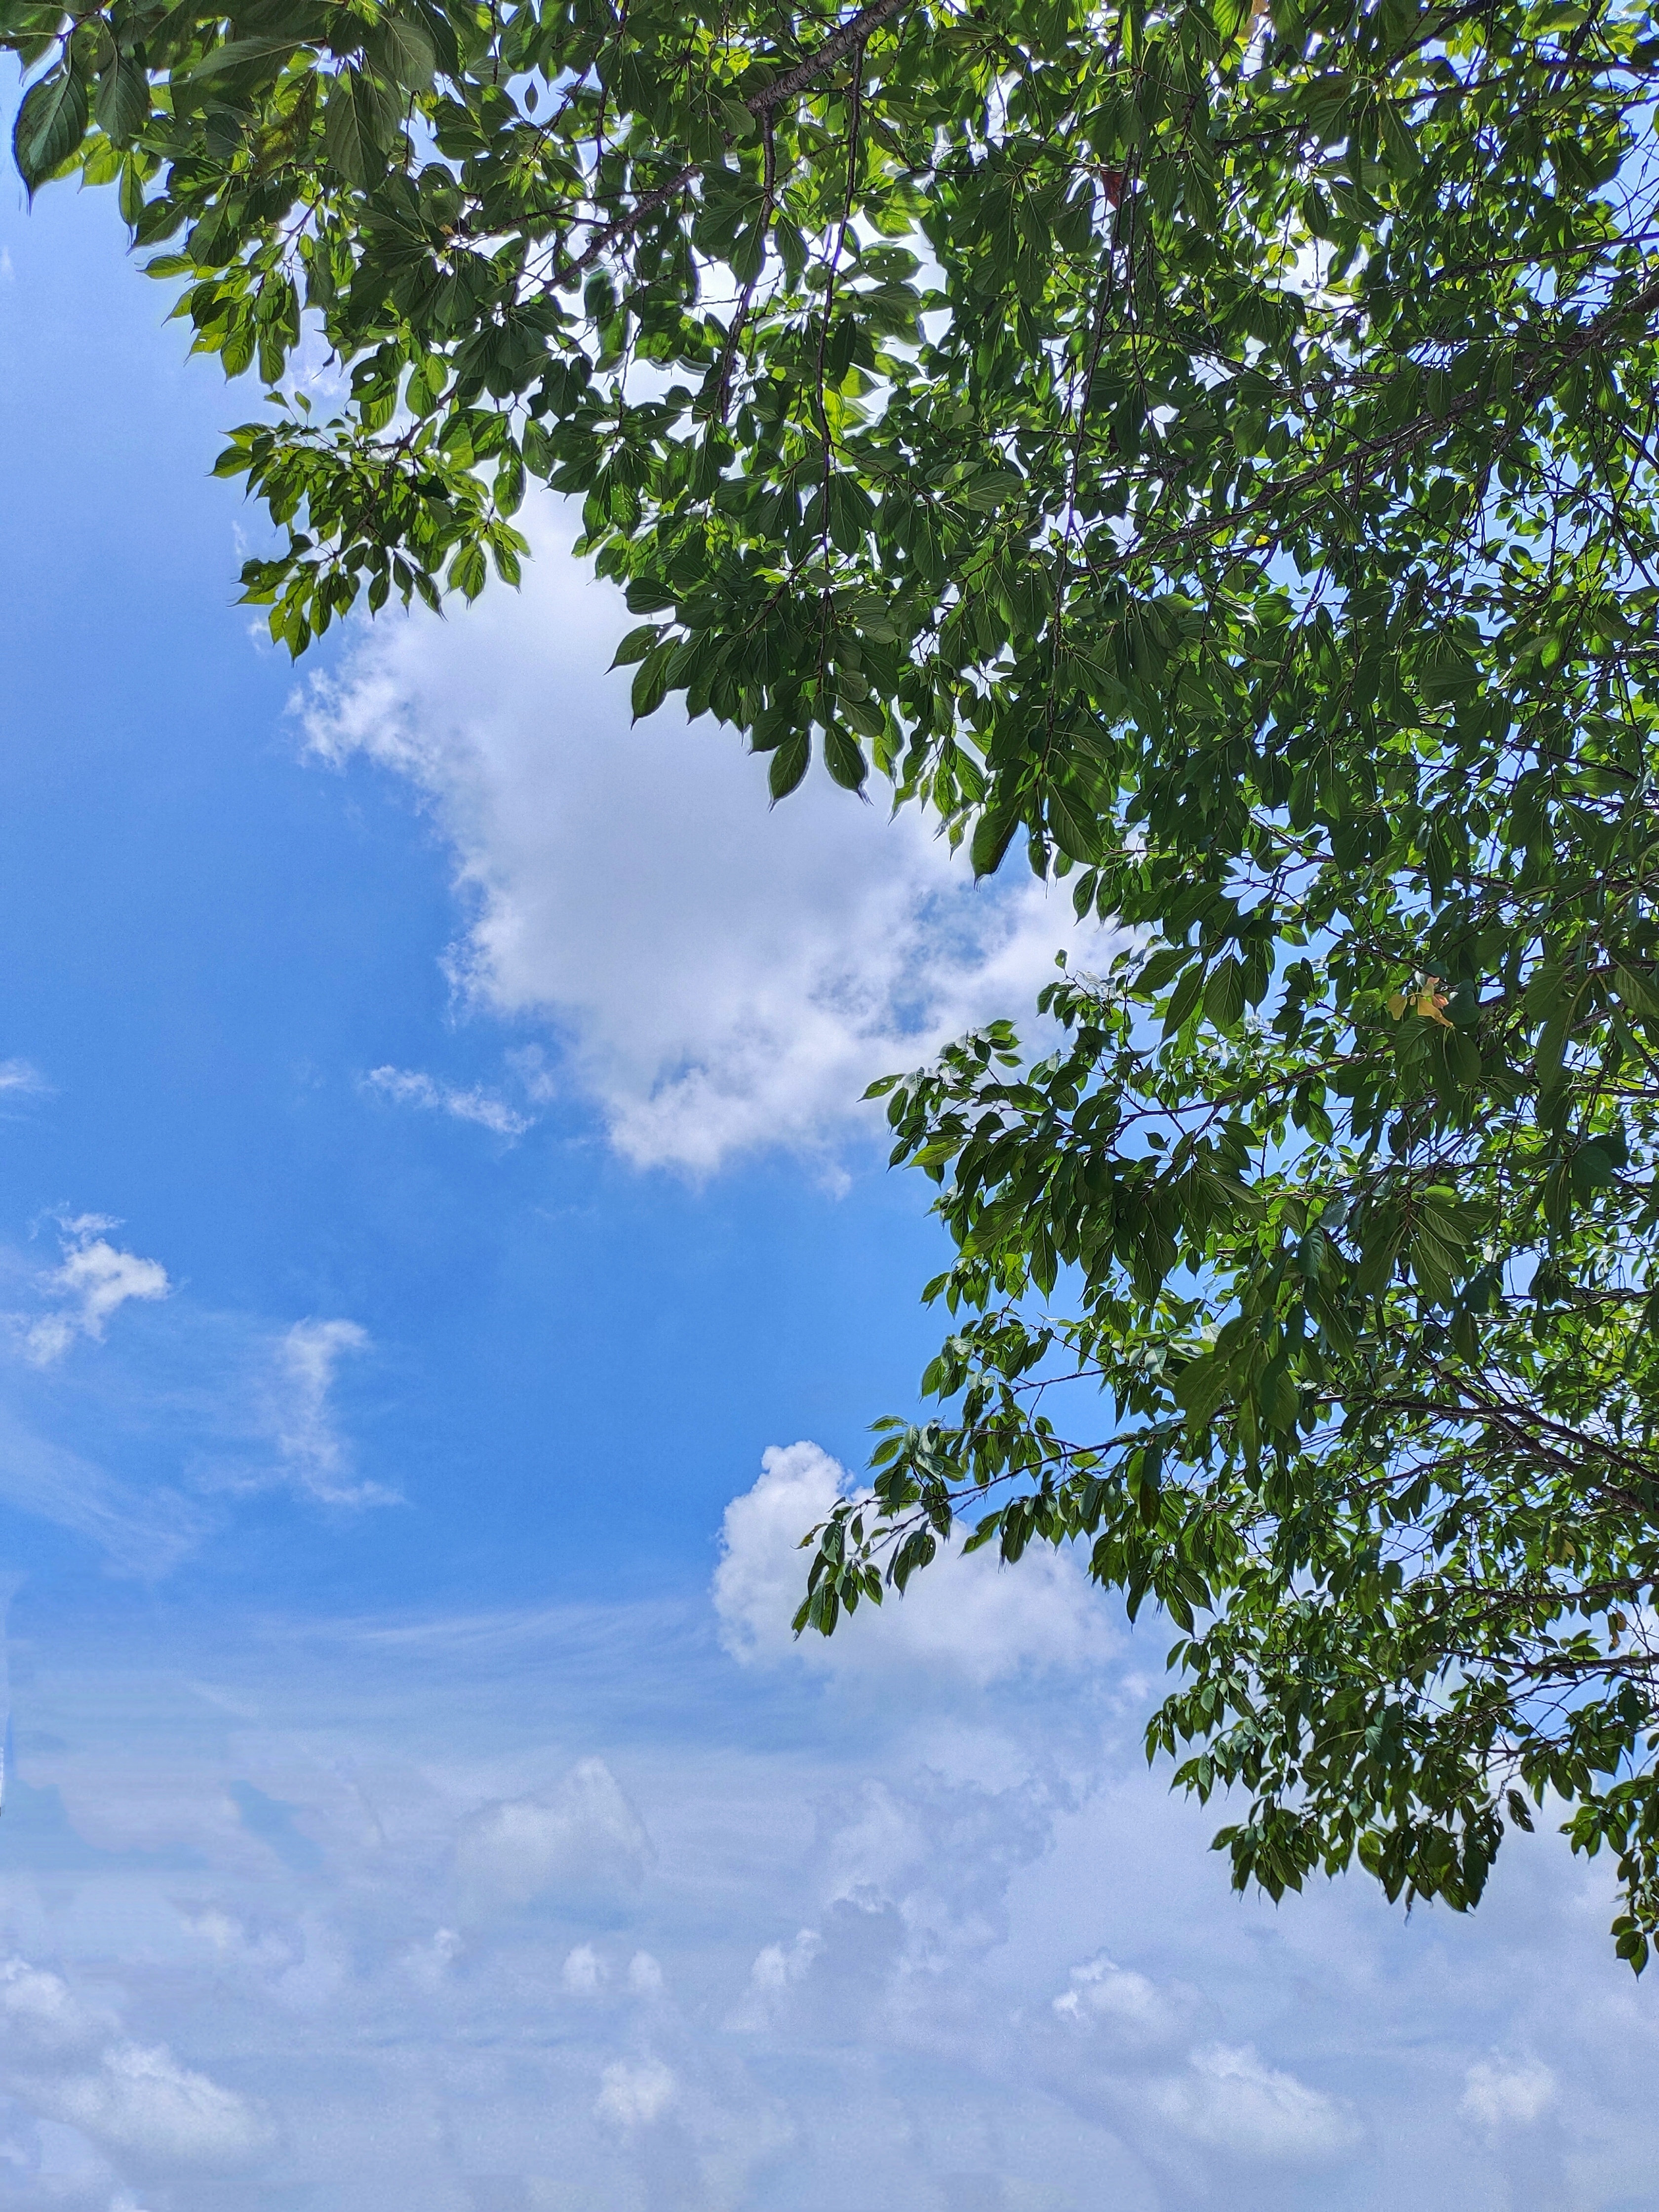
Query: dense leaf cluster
1215	444
1374	1317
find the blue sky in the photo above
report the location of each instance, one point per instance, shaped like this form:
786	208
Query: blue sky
442	1271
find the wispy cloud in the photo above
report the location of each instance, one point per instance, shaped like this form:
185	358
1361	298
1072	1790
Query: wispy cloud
143	1532
314	1454
410	1087
635	2093
96	1280
22	1079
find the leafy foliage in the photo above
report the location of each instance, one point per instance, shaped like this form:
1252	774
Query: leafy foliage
1217	446
1375	1318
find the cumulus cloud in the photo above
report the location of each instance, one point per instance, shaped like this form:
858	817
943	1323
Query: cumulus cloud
1105	1994
313	1453
719	978
126	2096
39	2009
580	1838
963	1616
408	1087
96	1280
1502	2093
1228	2101
634	2092
779	1968
141	2101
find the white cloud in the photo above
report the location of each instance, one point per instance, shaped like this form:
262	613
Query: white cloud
779	1968
1104	1993
1230	2100
408	1087
779	1965
40	2008
1503	2094
965	1616
721	978
142	2100
634	2092
128	2097
23	1078
94	1281
583	1973
313	1451
581	1836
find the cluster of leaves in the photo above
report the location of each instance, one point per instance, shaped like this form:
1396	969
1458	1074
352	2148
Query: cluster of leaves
953	386
1215	444
1374	1313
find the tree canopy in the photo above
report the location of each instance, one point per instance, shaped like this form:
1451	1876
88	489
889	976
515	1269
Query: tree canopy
1214	445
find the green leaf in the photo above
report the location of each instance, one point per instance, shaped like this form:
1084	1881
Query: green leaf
243	54
1223	993
1201	1386
636	645
121	104
844	757
357	129
466	570
1400	149
650	685
1446	672
1073	829
50	124
789	764
993	833
402	50
132	192
508	487
989	490
538	450
1183	999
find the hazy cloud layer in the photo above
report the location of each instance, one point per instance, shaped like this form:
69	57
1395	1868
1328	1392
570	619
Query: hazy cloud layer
720	977
571	1909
